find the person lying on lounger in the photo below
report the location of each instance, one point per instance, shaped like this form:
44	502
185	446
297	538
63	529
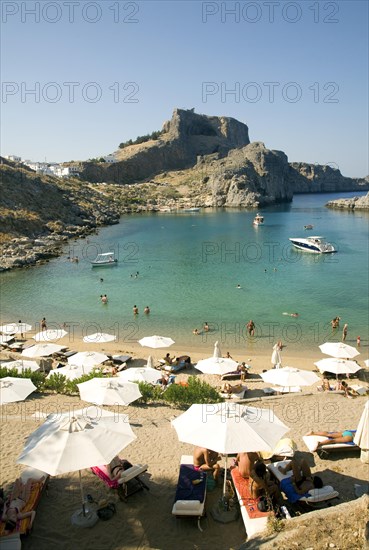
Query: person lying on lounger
206	460
334	437
117	467
302	479
17	500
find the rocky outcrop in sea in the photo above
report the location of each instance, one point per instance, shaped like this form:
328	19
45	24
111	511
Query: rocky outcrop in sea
355	203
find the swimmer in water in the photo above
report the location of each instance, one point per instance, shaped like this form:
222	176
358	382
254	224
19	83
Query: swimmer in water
290	314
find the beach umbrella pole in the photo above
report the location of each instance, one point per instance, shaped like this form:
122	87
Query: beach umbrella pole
225	476
82	494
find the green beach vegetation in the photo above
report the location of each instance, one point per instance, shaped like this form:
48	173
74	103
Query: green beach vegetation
193	391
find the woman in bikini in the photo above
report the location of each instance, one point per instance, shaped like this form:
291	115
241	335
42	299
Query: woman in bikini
334	437
117	466
17	500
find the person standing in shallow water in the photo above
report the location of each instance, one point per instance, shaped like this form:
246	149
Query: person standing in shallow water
135	310
344	332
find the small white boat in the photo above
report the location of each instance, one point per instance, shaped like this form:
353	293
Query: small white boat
258	220
105	259
194	209
316	245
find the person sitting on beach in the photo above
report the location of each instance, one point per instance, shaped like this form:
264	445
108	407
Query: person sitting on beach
334	437
117	466
168	359
261	484
228	355
302	479
245	463
15	503
206	460
341	385
325	385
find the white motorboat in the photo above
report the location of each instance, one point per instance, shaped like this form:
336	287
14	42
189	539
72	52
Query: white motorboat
105	259
316	245
193	209
258	220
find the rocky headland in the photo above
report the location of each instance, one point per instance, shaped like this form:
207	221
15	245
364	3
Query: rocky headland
195	161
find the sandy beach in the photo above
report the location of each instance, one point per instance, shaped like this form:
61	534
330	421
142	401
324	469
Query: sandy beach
145	520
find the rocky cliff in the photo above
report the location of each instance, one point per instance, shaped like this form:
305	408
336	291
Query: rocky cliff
186	136
317	178
249	176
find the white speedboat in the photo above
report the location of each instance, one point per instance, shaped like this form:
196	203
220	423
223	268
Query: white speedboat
258	220
105	259
316	245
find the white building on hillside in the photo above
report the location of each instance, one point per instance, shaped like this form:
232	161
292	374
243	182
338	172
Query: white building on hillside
14	158
110	158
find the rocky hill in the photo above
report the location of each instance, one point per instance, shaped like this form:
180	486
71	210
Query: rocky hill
186	136
41	212
316	178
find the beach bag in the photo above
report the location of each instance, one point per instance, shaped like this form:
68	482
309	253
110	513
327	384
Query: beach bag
265	504
107	512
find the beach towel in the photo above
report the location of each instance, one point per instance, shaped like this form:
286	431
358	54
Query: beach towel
186	488
289	490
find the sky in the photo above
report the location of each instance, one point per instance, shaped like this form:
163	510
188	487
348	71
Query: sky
80	77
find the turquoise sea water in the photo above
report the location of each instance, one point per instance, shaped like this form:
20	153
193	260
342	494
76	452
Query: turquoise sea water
189	267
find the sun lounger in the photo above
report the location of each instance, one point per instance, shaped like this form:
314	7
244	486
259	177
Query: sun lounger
190	498
255	521
312	440
23	525
128	483
286	389
314	496
238	395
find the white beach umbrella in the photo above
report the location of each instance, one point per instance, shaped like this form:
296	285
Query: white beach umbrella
340	350
75	441
5	338
15	328
87	358
217	352
71	372
337	366
99	338
362	433
41	350
108	391
15	389
156	342
289	376
366	362
140	374
21	366
50	334
216	365
229	428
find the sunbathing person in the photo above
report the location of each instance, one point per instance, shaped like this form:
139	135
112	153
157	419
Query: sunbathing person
334	437
17	500
229	389
206	460
302	479
117	467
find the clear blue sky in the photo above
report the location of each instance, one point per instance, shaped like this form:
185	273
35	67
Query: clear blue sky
132	63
